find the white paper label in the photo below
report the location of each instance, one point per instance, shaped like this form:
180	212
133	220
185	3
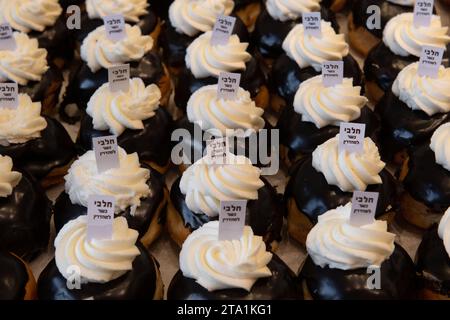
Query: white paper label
232	219
223	28
100	217
119	78
423	10
332	73
311	24
106	153
228	85
430	61
364	207
351	137
7	41
217	150
9	95
115	27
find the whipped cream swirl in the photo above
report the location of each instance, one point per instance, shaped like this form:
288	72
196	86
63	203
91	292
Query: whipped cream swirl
8	178
285	10
444	230
348	171
99	260
325	106
100	52
408	3
127	184
205	60
217	265
404	39
311	51
117	111
205	185
440	144
130	9
191	17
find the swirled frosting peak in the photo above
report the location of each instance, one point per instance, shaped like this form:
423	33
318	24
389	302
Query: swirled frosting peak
444	230
404	39
117	111
217	265
210	112
430	95
335	243
100	52
325	106
408	3
205	185
311	51
348	171
99	261
26	63
8	178
127	184
206	60
30	15
440	144
284	10
191	17
130	9
23	123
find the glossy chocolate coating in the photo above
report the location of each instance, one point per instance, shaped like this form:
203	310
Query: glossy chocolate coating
303	137
140	283
282	285
397	275
65	211
25	219
314	196
403	127
54	149
264	215
269	33
287	75
13	277
433	260
427	181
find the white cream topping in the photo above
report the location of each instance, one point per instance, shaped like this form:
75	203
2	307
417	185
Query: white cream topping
284	10
444	230
8	178
440	144
130	9
409	3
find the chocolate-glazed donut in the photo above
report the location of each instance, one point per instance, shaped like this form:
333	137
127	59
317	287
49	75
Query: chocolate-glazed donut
25	219
140	283
53	150
66	211
14	277
282	285
397	275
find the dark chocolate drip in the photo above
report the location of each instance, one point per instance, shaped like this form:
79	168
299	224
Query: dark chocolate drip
427	181
397	275
433	261
403	127
14	277
282	285
287	75
65	211
303	137
25	219
140	283
314	196
269	33
54	149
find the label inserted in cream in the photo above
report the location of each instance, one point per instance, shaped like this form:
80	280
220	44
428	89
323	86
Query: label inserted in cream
364	207
106	153
228	85
430	61
7	41
311	24
115	27
119	78
9	95
351	137
423	11
100	217
232	219
223	28
217	150
332	73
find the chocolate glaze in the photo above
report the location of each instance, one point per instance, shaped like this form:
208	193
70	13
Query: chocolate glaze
67	3
314	196
433	260
264	215
403	127
65	211
140	283
239	4
282	285
427	181
54	149
25	219
287	75
269	33
14	277
397	274
303	137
